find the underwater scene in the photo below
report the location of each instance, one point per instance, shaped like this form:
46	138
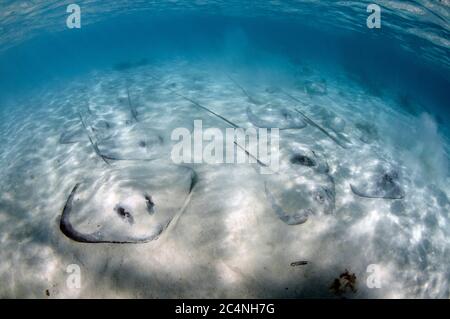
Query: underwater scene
225	149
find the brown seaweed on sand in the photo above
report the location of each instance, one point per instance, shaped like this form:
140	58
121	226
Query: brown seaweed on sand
346	282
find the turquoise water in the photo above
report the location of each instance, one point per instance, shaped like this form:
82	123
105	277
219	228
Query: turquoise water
367	159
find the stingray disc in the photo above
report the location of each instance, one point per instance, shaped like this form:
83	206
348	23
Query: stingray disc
379	181
74	132
302	188
275	117
130	206
133	142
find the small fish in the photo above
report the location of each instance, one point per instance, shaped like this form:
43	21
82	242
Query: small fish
299	263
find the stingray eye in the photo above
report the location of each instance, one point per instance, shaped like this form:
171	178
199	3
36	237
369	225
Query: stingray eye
388	179
150	204
302	160
319	198
124	214
142	144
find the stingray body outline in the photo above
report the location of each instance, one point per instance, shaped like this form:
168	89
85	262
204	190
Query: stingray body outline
360	193
288	117
249	97
105	157
204	108
197	104
385	186
321	194
319	127
117	151
75	133
290	219
69	230
258	122
67	138
94	144
297	218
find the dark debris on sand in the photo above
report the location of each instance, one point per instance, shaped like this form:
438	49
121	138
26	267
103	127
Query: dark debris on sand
346	282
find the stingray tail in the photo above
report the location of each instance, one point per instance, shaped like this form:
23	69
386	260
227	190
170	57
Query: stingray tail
133	110
312	123
94	144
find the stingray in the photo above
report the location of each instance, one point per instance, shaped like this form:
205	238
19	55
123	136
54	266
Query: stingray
279	117
75	133
250	155
368	132
303	160
335	123
380	181
303	179
309	158
314	185
125	215
332	135
133	143
272	89
294	199
249	97
203	108
295	218
115	208
315	88
330	119
124	66
128	143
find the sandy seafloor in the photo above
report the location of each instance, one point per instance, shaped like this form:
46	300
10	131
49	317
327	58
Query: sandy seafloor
227	242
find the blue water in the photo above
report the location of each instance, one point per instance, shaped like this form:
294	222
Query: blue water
387	96
372	57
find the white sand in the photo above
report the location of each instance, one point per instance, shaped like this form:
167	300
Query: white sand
228	242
